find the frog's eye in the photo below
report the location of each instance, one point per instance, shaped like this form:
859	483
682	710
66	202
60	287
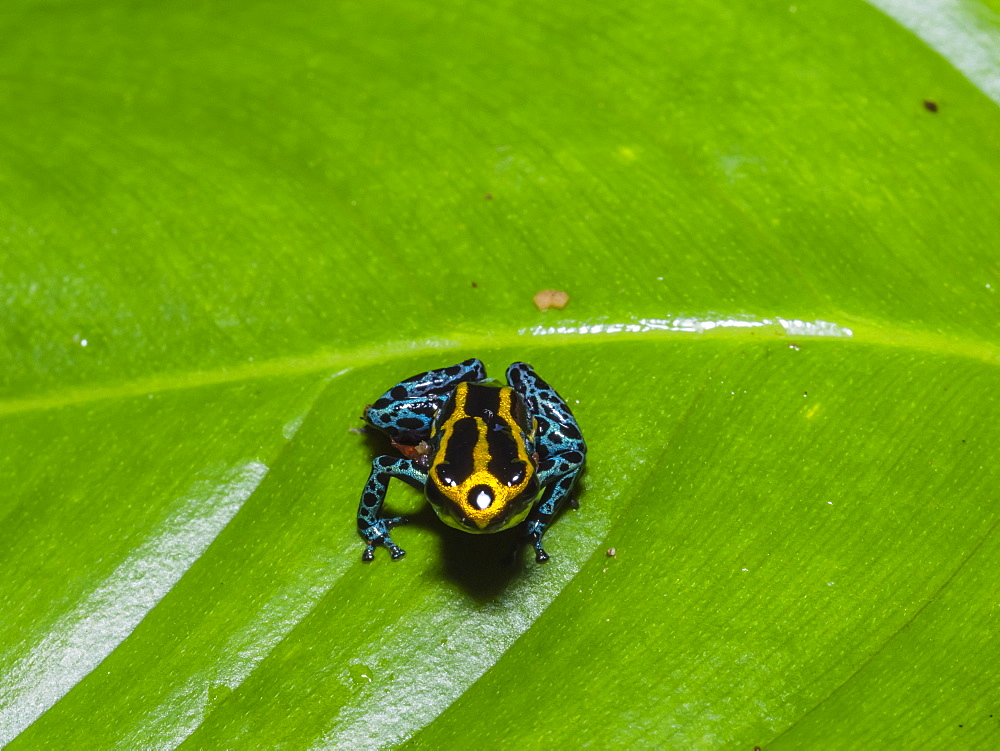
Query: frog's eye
515	474
444	476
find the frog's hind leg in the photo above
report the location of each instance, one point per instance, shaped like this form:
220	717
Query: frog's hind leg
373	528
405	411
558	432
559	443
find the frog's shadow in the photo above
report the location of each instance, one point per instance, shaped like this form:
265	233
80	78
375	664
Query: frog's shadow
483	566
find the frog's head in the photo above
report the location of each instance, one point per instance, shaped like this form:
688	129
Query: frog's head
482	478
491	498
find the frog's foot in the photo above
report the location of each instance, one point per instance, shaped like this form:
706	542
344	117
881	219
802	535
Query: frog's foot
535	538
378	534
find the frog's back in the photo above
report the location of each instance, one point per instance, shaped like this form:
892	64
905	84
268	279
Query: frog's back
481	400
496	405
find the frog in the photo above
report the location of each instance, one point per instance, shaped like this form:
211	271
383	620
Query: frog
488	456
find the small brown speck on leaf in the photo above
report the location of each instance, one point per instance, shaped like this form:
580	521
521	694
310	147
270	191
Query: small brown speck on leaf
550	298
489	196
474	285
930	105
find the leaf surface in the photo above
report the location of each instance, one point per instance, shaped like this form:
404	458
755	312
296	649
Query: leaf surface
226	229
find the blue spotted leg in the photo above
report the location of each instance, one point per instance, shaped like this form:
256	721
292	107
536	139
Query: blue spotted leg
372	527
405	413
560	446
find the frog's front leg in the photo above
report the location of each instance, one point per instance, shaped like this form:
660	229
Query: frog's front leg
372	527
405	411
557	474
559	443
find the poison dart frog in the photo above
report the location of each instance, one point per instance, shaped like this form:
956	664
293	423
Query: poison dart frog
488	456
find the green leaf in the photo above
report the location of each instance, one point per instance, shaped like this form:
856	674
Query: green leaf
227	228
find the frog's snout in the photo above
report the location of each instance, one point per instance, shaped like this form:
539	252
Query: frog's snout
471	524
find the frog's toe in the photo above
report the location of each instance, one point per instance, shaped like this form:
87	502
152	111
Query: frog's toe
378	534
394	550
540	555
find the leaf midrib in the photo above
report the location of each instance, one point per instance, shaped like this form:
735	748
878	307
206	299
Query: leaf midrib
863	332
